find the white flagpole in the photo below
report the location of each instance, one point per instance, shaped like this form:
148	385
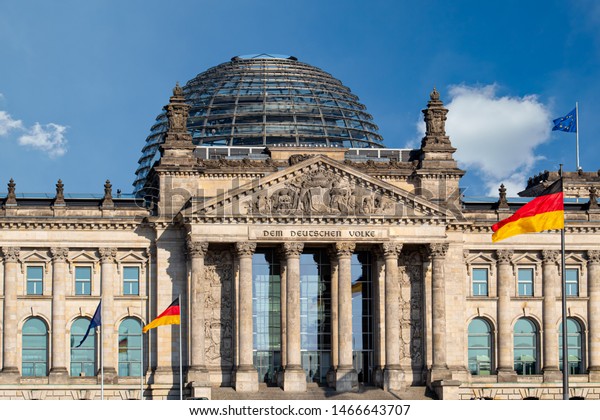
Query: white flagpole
577	132
141	352
180	353
565	345
101	351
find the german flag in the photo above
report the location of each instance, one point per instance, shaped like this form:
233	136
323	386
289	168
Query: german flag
545	212
170	316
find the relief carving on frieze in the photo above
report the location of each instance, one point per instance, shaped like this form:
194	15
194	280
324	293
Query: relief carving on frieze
218	322
411	310
321	192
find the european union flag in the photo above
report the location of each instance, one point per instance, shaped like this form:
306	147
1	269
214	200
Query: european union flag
95	322
567	123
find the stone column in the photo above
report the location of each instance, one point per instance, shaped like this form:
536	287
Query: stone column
197	373
294	379
393	376
594	314
346	377
551	287
506	372
109	341
246	376
439	368
60	279
10	369
333	261
379	314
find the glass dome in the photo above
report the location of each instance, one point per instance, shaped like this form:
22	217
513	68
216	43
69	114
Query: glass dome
264	100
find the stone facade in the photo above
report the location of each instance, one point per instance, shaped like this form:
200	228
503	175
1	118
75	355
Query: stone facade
209	217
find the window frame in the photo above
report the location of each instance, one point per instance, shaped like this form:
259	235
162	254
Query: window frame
125	282
531	282
127	364
93	349
568	283
41	350
534	364
29	281
89	282
480	283
489	335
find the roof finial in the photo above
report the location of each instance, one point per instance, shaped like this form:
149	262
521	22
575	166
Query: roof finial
59	200
11	197
434	95
177	90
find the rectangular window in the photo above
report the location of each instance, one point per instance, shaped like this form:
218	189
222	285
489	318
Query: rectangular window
35	276
131	280
572	281
525	282
83	280
480	282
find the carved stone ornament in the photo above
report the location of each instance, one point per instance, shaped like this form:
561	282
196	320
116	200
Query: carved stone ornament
593	203
177	111
550	256
391	249
502	203
11	198
292	249
107	255
438	250
196	249
59	254
504	256
11	253
322	192
594	256
107	201
345	249
245	249
60	193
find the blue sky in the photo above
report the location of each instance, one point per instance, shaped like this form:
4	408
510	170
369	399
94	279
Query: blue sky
81	82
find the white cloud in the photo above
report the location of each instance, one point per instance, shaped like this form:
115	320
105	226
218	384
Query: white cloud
48	138
497	135
7	123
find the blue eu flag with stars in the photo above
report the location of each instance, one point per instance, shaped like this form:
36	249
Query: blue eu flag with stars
567	123
95	322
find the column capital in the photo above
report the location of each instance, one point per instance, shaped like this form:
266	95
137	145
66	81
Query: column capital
550	256
593	257
59	254
292	249
11	253
196	248
245	249
344	249
438	250
391	249
504	256
107	255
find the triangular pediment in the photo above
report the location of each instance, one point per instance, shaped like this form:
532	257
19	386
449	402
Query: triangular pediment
317	189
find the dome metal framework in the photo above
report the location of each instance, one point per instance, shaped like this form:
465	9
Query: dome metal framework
266	100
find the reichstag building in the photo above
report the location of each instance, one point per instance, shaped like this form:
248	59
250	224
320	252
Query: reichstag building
304	251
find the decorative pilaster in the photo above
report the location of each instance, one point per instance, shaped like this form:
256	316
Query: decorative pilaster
10	368
109	341
393	377
294	379
439	368
551	287
60	279
594	314
197	374
346	376
246	377
506	372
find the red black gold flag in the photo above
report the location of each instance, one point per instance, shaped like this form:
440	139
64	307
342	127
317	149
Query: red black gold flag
171	315
545	212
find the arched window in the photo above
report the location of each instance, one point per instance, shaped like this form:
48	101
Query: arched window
35	348
525	347
480	347
574	346
83	358
130	347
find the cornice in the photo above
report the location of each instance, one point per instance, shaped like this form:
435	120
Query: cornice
69	225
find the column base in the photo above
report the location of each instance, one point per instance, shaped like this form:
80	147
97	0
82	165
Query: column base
9	376
552	375
594	374
378	377
330	377
165	375
199	376
393	379
446	389
346	379
439	373
506	375
246	379
58	376
294	379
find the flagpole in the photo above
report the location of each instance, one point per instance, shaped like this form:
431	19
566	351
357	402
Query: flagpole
565	347
101	352
577	132
180	353
141	351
